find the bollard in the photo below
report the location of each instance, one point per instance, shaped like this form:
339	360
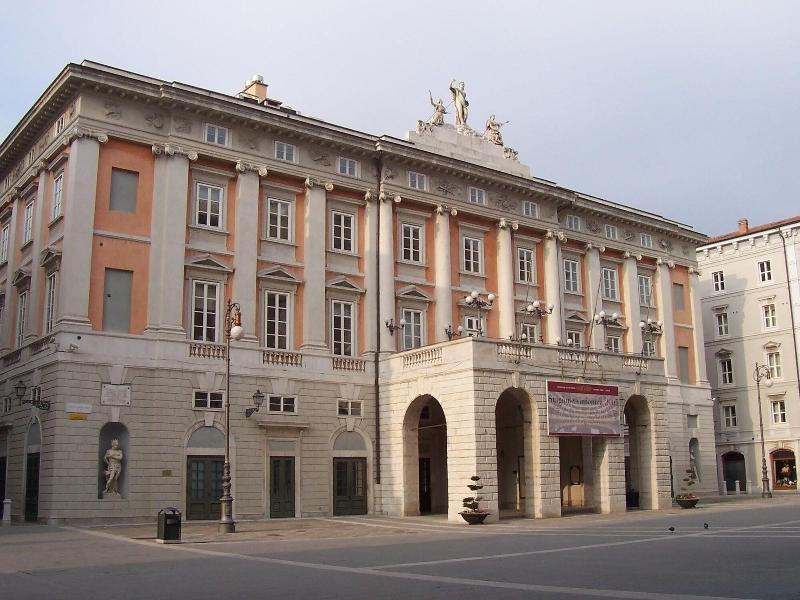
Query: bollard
738	488
6	512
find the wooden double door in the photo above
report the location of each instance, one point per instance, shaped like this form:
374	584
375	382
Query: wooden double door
32	487
204	487
349	486
281	487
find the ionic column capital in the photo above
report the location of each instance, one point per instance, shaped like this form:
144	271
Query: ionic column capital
167	150
77	133
311	183
506	224
442	209
247	167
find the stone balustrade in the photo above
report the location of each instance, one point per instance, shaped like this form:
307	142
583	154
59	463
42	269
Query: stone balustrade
282	359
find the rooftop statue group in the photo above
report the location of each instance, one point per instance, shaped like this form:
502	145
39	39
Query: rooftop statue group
461	109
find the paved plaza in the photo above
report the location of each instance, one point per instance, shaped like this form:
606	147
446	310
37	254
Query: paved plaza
745	552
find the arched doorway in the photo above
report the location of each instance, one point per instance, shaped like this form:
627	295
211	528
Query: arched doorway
425	457
784	469
734	471
205	458
639	455
33	442
512	421
350	481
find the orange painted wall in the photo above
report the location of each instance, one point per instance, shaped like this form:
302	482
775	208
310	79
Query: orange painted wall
684	337
119	254
130	157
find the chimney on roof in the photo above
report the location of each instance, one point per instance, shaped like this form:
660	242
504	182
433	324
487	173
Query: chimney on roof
256	89
744	226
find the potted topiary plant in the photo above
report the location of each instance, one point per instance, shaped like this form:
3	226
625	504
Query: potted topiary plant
686	499
473	513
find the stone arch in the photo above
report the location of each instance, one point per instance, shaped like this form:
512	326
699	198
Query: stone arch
107	433
350	445
425	457
515	444
734	469
206	440
32	469
640	456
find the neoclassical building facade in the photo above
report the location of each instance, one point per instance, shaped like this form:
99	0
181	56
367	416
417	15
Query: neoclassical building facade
750	290
404	303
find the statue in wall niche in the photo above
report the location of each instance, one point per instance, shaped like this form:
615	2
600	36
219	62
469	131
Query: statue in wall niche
492	132
460	102
439	111
113	459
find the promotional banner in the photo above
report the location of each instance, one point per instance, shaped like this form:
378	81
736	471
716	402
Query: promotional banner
582	409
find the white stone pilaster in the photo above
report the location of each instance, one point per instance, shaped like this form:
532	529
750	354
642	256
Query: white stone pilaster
76	247
552	278
39	224
314	237
664	301
505	278
168	243
442	291
697	328
370	271
386	301
630	273
593	296
246	248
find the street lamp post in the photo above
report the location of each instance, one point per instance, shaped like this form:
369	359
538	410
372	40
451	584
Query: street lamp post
233	331
535	309
762	372
474	300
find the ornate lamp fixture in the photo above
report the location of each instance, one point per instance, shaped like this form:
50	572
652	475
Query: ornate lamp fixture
233	331
448	331
535	309
474	300
258	400
650	327
392	327
760	373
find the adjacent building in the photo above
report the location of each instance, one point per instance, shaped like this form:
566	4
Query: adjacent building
751	306
415	312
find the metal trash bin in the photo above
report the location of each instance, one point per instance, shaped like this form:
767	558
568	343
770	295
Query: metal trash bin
169	526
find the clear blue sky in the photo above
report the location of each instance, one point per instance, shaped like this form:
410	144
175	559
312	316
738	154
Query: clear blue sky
688	108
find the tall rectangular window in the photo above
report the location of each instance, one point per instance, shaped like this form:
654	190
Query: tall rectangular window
50	303
526	259
528	333
774	364
411	243
284	151
278	219
573	222
209	206
473	326
348	166
342	231
646	240
722	323
764	271
276	320
205	311
677	296
611	232
117	300
778	412
22	315
216	135
683	363
27	223
770	317
718	279
726	371
609	283
575	339
530	209
58	193
417	181
649	348
571	280
124	185
4	243
342	327
472	255
477	195
412	331
614	343
645	290
729	415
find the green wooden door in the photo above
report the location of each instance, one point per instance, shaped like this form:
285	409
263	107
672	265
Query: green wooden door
204	487
32	487
281	494
349	486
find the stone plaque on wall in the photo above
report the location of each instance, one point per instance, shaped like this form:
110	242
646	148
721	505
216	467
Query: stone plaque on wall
115	395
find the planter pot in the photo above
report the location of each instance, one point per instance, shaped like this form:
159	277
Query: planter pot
687	502
474	518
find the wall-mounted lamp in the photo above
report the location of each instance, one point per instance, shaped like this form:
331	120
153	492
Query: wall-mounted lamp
448	331
392	327
258	400
35	397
